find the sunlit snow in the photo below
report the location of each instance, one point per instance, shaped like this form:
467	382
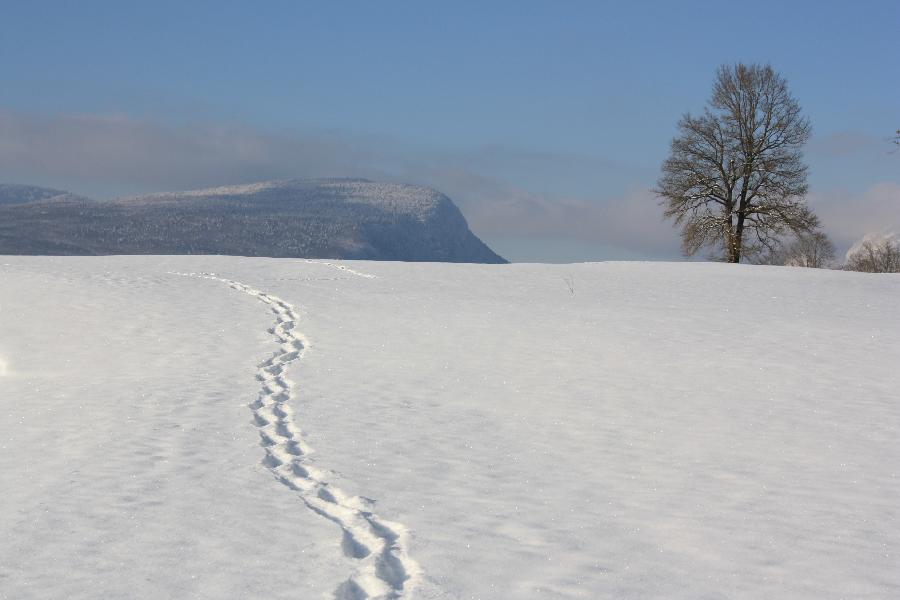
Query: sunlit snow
220	427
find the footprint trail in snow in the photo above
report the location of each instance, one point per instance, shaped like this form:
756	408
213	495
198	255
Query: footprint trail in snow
384	570
343	268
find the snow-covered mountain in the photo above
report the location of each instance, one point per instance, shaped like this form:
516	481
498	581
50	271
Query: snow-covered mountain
318	218
14	194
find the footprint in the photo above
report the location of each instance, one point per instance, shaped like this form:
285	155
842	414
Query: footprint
383	568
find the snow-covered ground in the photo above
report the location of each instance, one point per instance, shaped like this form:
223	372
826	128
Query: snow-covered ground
614	430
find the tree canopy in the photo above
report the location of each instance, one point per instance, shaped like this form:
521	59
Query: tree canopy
735	180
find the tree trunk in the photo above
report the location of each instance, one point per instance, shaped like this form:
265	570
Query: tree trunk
737	247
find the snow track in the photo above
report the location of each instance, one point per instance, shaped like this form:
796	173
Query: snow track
344	268
376	546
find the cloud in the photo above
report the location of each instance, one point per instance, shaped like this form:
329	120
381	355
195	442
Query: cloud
504	192
108	155
848	216
631	222
122	154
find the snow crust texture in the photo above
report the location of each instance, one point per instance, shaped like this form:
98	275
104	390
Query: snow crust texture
611	430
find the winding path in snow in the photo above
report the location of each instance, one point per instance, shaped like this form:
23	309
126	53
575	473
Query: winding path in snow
384	570
344	268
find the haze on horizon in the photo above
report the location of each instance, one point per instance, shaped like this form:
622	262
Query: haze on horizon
546	124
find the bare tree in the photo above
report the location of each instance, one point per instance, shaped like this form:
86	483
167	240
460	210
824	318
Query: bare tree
735	179
809	249
813	250
875	253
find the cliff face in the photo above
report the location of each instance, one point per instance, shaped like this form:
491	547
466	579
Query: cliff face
322	218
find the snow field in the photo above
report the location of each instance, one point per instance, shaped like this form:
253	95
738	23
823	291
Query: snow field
665	431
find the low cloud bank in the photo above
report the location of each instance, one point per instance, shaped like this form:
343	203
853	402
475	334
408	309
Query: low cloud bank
108	155
848	216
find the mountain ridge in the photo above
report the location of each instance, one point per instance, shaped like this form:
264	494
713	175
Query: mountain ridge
12	194
309	218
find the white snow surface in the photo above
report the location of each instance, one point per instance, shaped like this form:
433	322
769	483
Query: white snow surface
220	427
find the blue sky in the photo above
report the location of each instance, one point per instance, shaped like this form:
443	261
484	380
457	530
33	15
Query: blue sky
545	121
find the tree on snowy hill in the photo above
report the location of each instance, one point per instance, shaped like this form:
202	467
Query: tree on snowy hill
875	253
735	180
